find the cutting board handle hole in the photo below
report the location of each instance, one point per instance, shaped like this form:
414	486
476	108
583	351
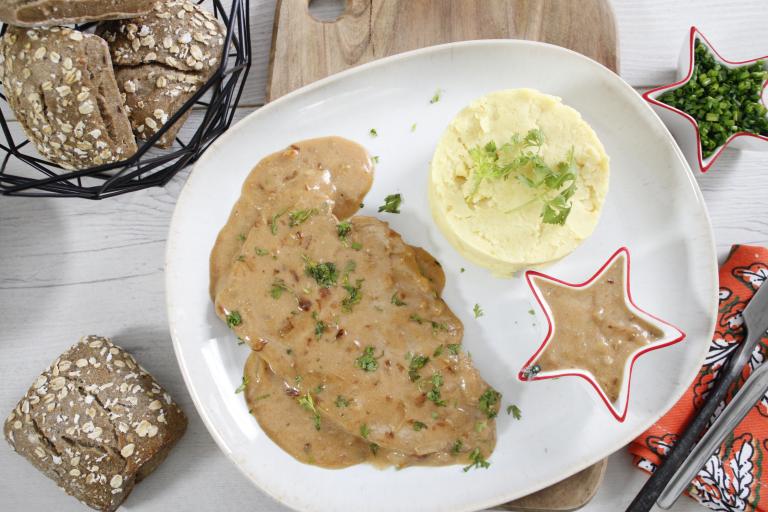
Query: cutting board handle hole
327	10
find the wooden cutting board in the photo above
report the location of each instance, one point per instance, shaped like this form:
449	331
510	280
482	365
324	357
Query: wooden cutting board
305	50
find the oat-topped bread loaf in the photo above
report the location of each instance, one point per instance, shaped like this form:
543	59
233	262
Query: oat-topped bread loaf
61	86
45	13
162	59
96	423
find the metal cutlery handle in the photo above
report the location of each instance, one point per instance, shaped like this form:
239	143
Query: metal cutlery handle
742	403
653	488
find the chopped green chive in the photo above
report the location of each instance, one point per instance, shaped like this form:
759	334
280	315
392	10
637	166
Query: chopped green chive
300	216
242	386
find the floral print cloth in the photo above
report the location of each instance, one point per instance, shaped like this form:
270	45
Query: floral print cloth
733	478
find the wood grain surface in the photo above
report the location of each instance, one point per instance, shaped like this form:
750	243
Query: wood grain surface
305	50
73	267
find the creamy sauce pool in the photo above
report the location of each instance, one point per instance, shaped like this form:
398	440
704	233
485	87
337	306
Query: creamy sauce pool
594	329
358	354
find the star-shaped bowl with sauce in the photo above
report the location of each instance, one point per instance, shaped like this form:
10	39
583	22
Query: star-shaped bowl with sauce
683	126
595	331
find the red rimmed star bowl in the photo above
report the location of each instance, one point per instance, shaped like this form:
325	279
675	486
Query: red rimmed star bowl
684	128
671	334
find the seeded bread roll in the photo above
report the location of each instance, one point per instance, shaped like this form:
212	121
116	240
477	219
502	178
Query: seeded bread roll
96	423
60	84
45	13
178	39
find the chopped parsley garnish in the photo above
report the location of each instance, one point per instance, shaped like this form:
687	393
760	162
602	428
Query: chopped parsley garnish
298	379
463	270
354	295
300	216
242	386
364	431
416	318
521	158
234	319
531	312
367	362
413	127
319	388
278	287
438	326
308	403
391	204
240	341
396	300
417	363
241	237
373	133
438	351
374	448
453	348
417	425
343	228
478	311
488	402
433	395
514	411
261	252
320	326
457	445
375	159
436	97
341	401
478	461
480	426
356	246
273	222
324	273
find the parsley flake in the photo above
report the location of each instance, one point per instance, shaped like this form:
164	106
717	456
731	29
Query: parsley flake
488	402
241	237
261	252
341	401
413	127
234	319
324	273
320	326
478	461
391	204
242	386
300	216
367	362
417	425
343	228
375	159
478	311
514	411
308	403
436	97
453	348
364	431
374	448
373	133
457	445
354	295
396	300
433	395
278	287
418	362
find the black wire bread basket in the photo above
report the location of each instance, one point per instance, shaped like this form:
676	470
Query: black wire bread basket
216	101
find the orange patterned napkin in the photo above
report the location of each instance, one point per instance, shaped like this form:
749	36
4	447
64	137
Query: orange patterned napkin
733	478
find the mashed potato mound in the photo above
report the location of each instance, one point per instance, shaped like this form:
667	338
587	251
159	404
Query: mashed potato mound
500	227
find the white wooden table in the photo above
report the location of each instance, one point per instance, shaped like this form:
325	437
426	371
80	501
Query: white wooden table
74	267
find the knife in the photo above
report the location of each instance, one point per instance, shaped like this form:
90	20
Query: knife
755	317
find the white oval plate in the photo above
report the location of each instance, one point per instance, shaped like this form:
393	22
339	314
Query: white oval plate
654	207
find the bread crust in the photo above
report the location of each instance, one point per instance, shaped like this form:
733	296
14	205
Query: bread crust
95	422
46	13
60	84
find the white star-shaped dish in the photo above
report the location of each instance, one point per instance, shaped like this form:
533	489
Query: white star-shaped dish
669	333
684	127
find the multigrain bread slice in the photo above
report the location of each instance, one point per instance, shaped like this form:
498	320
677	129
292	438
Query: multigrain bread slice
45	13
61	86
96	423
177	39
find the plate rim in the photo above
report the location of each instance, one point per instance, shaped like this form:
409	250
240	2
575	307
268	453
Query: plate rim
477	504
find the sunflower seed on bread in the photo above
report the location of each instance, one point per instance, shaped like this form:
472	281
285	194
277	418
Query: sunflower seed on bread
177	39
95	422
61	86
45	13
